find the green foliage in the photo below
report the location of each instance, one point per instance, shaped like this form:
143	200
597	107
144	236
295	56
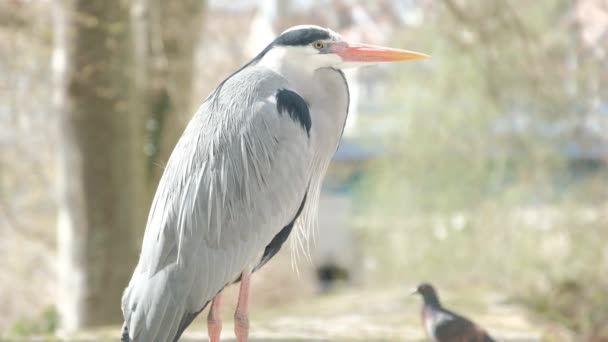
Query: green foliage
473	188
45	324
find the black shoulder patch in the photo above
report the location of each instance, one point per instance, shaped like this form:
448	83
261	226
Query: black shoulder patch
295	105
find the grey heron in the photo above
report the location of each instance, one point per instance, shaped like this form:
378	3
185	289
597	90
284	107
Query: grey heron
247	168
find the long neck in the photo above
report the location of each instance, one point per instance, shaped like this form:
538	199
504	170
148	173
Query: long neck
325	91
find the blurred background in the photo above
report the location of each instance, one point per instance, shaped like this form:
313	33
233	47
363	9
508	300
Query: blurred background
482	169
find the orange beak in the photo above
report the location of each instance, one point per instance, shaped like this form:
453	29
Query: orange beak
355	52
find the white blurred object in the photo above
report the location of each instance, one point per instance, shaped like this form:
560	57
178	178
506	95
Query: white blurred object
361	28
334	251
261	32
409	12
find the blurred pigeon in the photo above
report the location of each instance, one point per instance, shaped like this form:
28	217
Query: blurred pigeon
443	325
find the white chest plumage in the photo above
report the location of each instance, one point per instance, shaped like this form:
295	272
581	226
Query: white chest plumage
326	93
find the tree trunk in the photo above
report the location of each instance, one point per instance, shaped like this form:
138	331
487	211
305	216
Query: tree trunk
123	82
167	33
100	161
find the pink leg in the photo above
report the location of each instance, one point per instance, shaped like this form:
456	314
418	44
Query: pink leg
214	322
241	319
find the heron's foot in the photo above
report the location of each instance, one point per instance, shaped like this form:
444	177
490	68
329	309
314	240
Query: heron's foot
241	327
241	315
214	330
214	322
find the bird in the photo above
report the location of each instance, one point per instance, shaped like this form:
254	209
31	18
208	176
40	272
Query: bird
247	169
443	325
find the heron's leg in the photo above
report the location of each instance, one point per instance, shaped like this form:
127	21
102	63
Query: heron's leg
241	316
214	322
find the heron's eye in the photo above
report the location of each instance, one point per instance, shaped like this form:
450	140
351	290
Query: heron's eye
318	45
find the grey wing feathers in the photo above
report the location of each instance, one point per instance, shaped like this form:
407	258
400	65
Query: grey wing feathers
454	327
236	177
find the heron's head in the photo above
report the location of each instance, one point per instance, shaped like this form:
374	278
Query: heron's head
313	47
